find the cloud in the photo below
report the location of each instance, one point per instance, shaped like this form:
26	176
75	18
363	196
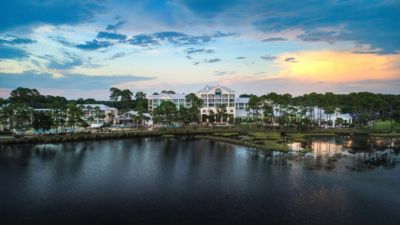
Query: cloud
274	39
35	79
113	36
62	41
326	36
296	87
291	59
118	55
70	61
177	38
347	20
11	40
222	73
268	57
10	52
94	45
219	34
339	66
240	57
208	8
212	60
21	13
115	27
143	40
198	50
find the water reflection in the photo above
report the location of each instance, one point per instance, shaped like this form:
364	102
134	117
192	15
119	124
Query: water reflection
361	152
156	180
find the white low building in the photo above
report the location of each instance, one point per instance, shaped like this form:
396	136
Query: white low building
97	115
130	118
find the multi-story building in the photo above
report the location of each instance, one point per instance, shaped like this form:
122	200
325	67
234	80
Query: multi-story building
179	100
242	107
215	96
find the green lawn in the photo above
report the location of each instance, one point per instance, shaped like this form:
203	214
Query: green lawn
384	127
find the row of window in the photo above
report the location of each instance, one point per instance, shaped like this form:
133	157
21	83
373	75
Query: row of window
216	104
218	95
165	100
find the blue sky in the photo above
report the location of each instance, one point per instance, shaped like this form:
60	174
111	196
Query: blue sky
80	48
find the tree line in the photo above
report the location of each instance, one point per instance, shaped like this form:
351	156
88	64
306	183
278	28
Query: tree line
363	106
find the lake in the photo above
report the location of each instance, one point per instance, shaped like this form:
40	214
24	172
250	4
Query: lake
186	181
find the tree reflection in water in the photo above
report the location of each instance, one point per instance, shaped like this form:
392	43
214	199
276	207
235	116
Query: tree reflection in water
356	153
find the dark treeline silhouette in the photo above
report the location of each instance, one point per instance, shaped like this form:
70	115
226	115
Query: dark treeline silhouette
362	106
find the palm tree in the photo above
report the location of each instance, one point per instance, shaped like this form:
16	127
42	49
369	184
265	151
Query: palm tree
221	112
115	94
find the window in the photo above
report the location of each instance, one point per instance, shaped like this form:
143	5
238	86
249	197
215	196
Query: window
218	92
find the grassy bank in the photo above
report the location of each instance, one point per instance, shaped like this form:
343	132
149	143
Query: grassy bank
261	138
107	135
268	145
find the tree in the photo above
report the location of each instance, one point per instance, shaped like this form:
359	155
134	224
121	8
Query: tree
221	112
168	92
165	113
115	94
184	115
2	101
196	104
74	115
126	100
42	120
268	111
21	115
141	106
254	106
24	95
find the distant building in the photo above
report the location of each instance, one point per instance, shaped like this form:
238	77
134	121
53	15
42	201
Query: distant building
242	107
178	99
97	115
128	119
214	96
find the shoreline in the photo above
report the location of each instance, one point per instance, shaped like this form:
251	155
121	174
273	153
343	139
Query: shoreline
199	132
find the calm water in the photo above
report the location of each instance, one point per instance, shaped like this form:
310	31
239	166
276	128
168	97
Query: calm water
183	181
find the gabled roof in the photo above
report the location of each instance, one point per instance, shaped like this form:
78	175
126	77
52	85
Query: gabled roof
101	106
133	113
208	88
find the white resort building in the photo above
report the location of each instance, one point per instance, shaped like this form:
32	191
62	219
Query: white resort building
155	100
215	96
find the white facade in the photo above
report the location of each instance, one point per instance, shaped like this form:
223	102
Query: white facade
128	119
97	115
242	107
178	99
214	96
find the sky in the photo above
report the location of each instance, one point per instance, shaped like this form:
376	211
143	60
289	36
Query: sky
81	48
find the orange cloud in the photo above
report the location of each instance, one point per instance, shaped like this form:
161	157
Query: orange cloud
339	66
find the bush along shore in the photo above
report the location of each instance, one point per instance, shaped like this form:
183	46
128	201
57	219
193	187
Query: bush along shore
256	138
